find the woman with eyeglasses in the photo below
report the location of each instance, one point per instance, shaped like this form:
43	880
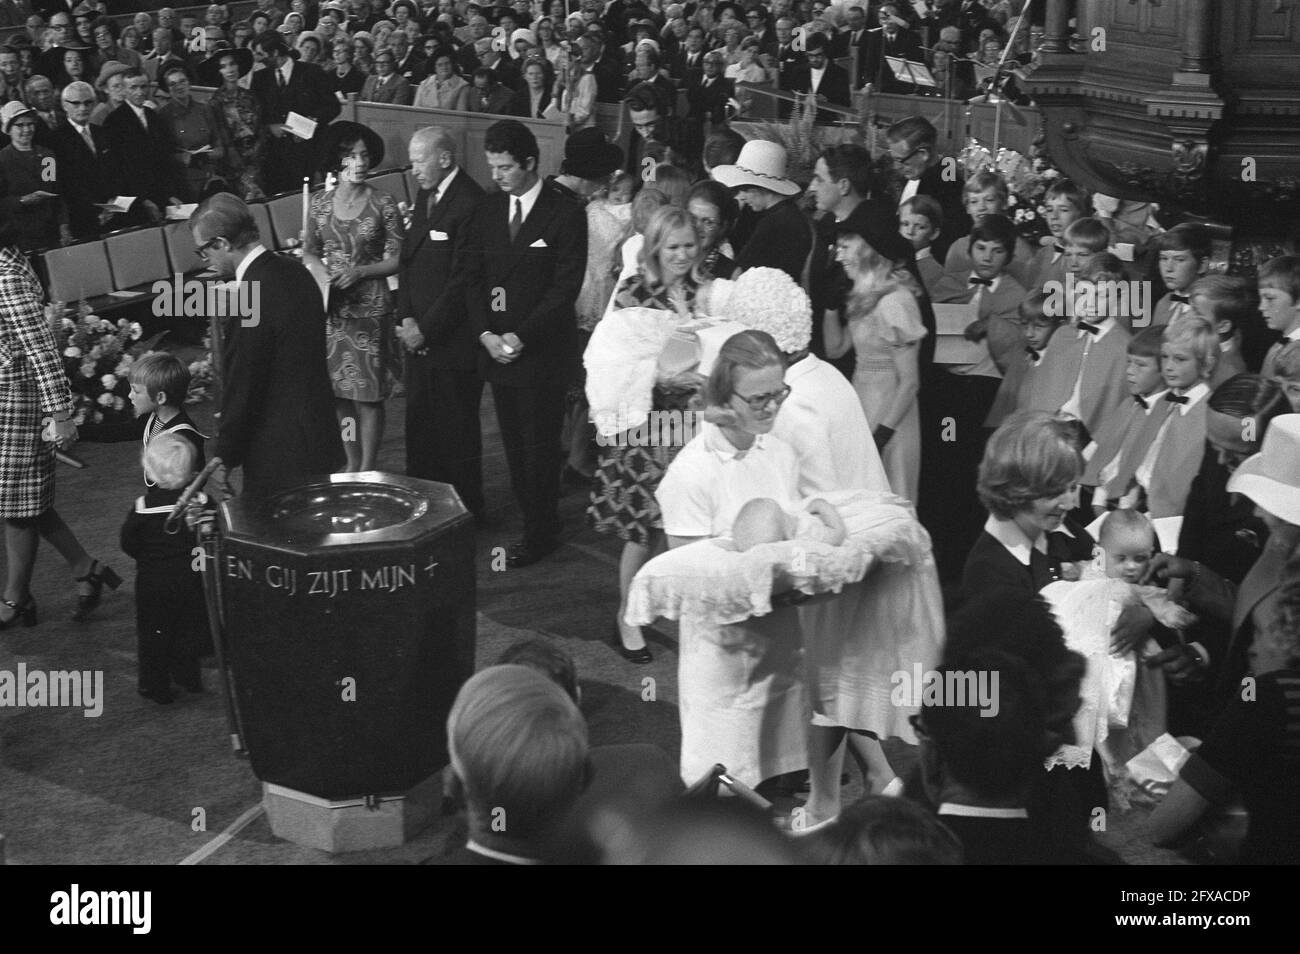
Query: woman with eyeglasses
628	473
29	195
883	328
194	131
108	47
715	212
740	692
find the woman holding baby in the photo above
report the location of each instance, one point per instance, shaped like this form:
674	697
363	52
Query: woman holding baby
628	472
741	695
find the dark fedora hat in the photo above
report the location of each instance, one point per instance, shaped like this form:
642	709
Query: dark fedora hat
209	71
347	131
588	155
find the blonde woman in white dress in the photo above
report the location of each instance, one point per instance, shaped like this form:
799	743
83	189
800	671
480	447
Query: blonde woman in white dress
884	328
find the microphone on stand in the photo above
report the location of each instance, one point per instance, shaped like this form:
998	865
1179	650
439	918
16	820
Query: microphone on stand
173	518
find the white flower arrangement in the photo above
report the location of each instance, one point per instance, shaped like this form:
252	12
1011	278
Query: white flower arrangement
104	400
72	351
767	299
109	381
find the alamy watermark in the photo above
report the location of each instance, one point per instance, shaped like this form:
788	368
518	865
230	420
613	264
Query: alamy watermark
959	688
1104	299
658	429
179	297
57	688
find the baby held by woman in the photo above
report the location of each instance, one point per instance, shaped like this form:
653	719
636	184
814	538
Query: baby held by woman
763	520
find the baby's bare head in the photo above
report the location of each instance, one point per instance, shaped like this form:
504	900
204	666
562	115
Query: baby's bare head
760	521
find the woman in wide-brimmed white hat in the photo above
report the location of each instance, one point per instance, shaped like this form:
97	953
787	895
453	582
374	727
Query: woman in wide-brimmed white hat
783	235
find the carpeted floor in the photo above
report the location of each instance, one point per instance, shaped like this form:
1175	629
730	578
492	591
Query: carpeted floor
151	784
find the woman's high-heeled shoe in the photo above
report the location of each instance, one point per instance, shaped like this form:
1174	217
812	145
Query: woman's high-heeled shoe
98	577
640	656
24	612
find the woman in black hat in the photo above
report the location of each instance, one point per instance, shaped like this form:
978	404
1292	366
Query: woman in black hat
237	116
354	236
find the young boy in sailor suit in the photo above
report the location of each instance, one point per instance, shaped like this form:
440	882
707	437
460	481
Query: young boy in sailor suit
170	612
159	385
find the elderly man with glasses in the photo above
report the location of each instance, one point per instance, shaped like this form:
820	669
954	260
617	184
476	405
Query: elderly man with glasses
81	150
384	85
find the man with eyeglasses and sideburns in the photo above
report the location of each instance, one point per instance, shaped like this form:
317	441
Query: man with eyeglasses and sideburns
920	170
277	403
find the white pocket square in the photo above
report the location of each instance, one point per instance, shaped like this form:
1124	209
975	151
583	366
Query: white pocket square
436	236
540	243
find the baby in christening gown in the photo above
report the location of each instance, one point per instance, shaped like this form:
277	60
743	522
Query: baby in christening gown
763	520
1124	703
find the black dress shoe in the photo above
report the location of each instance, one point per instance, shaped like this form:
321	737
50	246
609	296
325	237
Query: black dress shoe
639	656
526	554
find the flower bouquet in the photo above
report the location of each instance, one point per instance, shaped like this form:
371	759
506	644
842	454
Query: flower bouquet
765	299
97	355
1027	179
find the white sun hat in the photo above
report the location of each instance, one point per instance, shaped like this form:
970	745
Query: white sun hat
1271	478
761	164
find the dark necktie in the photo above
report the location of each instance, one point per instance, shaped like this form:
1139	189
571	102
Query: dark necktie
1032	352
1088	327
1173	398
1140	401
279	75
986	282
1181	299
88	139
516	219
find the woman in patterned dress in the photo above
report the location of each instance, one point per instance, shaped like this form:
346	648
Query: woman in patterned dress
33	388
628	474
355	238
237	115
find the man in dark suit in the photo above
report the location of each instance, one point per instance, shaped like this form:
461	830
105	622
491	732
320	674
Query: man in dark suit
81	152
142	148
287	86
708	97
384	85
443	438
516	278
853	39
277	404
820	75
913	146
891	39
687	65
40	97
789	55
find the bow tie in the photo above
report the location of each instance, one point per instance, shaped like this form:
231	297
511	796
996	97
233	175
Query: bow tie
1033	353
1058	248
1181	299
987	282
1173	398
1088	327
1140	401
